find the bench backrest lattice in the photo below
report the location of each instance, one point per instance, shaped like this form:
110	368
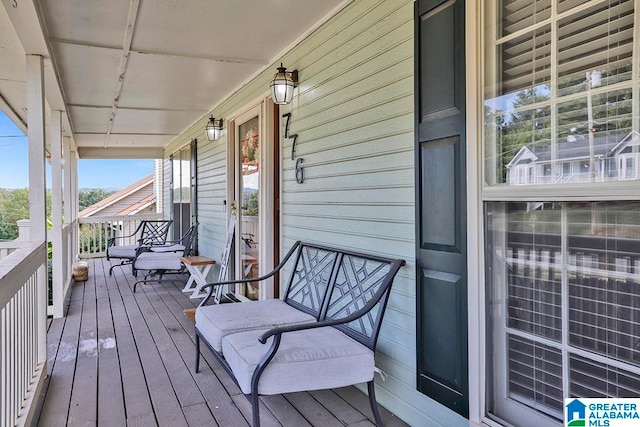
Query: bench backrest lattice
308	282
331	284
154	232
358	281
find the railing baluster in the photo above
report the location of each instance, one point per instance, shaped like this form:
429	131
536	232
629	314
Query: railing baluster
95	232
21	320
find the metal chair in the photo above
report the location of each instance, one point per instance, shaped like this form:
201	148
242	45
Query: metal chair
151	232
159	260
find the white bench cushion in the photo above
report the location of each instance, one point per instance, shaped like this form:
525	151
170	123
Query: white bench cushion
158	261
217	321
314	359
124	251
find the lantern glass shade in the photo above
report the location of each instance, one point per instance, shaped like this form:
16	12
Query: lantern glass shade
282	86
213	129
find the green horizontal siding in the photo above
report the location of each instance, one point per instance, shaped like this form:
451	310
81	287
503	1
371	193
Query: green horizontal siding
353	112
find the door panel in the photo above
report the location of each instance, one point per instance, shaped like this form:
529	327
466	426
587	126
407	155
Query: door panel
441	203
248	140
183	191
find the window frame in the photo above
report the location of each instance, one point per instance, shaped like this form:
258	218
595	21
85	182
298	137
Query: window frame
479	195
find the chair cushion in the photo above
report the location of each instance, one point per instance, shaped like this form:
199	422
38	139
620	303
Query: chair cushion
124	251
158	261
217	321
313	359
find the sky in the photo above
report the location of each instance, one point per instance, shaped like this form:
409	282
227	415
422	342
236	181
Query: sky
108	174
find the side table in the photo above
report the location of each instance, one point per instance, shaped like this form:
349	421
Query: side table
198	267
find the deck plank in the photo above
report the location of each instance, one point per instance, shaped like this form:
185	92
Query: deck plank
360	401
111	408
282	409
147	379
346	413
56	402
83	409
312	410
225	411
137	401
179	375
163	398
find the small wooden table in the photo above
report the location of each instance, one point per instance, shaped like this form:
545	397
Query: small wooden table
198	267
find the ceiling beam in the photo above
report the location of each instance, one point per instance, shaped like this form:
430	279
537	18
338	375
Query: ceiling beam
120	153
170	110
134	8
215	58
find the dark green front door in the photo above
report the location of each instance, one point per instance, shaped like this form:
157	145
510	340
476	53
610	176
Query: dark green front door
441	203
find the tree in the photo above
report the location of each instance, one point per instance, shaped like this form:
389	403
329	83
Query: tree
14	206
87	198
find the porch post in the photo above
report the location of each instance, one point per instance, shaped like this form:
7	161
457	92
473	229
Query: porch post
73	198
66	155
36	136
68	198
37	186
56	217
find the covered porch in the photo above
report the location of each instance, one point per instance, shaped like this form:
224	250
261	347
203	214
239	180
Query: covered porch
136	79
120	358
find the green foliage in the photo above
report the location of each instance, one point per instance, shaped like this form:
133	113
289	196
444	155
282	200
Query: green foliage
251	205
91	238
87	198
14	206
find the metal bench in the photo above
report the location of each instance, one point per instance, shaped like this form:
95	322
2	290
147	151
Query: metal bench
322	334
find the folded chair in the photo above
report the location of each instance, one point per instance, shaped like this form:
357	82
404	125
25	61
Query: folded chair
149	232
159	260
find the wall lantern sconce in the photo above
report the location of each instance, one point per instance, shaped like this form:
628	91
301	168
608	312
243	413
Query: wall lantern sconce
282	85
213	129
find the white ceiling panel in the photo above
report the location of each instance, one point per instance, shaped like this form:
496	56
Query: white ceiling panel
249	29
11	52
155	121
179	83
90	119
91	22
88	75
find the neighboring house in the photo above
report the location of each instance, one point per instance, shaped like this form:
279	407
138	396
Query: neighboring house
138	198
615	157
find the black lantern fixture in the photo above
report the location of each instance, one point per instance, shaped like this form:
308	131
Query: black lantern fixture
213	129
282	85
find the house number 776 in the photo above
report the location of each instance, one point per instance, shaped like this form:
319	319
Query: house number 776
299	168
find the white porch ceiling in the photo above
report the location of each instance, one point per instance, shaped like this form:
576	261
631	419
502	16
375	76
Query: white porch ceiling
136	73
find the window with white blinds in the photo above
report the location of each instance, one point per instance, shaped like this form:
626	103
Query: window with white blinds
561	110
559	83
564	305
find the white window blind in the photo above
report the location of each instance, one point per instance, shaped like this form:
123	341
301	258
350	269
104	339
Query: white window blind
561	93
559	82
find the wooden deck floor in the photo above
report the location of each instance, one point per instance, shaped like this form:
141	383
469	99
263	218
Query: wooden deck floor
120	358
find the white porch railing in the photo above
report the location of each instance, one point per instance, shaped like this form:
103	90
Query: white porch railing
94	232
63	250
23	345
9	247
